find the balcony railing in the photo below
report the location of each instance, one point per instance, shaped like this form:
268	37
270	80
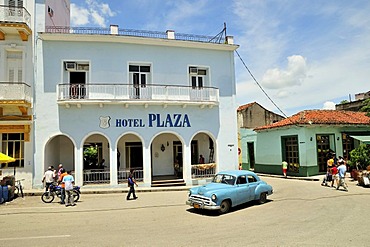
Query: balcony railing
135	33
15	91
130	92
15	15
203	170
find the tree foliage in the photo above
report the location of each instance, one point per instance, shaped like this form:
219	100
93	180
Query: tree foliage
366	107
360	155
344	101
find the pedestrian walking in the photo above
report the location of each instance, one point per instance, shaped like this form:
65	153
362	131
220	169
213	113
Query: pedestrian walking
285	168
49	178
131	183
69	182
342	169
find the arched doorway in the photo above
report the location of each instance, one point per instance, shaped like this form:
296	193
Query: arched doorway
130	157
203	156
167	157
59	150
96	159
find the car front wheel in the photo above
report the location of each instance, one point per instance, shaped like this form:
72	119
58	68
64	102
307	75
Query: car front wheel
263	198
224	207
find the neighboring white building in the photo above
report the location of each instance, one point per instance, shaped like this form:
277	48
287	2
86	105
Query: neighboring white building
148	101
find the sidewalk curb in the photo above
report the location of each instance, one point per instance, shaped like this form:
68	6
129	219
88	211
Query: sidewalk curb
87	190
314	178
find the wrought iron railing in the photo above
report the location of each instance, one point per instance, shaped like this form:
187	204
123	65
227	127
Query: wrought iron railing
100	176
15	14
130	92
203	170
133	32
15	91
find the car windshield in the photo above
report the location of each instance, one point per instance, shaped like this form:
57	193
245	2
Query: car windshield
224	178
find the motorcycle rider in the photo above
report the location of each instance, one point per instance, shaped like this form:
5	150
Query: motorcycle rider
48	178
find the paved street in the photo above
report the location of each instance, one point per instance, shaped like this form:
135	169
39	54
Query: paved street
299	213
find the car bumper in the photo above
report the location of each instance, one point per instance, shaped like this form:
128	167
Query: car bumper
202	205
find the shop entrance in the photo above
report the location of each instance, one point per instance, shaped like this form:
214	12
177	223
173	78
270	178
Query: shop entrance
325	148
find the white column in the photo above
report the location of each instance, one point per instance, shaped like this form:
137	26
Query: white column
79	169
147	166
113	167
186	167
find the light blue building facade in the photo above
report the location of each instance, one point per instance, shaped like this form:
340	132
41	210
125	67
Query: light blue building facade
149	103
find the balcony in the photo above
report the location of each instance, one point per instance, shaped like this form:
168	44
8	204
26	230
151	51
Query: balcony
15	93
131	94
14	20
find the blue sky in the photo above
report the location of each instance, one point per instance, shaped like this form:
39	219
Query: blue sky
306	54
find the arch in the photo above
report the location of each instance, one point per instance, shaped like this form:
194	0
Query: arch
203	154
130	150
167	149
59	149
95	158
95	151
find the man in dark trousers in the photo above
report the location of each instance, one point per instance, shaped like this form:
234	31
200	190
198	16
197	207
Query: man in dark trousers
131	183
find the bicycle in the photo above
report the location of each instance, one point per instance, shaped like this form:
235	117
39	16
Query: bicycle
19	188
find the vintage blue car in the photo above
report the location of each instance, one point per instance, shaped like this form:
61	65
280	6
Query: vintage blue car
229	189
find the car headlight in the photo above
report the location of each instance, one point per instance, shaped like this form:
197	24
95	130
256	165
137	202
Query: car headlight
214	197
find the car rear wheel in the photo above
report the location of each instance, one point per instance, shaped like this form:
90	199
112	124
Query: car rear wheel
263	198
224	207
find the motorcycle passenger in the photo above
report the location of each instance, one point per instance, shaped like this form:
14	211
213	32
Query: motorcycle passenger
62	185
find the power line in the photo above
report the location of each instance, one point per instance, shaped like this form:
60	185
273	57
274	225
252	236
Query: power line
255	80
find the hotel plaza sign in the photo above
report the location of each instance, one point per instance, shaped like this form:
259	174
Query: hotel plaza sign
154	120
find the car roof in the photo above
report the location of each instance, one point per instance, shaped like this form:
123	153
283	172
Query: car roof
237	172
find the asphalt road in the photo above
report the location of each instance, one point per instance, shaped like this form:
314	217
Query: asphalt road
299	213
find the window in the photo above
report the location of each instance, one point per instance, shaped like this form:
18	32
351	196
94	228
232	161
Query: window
251	179
198	77
13	146
241	180
14	66
291	152
348	145
139	76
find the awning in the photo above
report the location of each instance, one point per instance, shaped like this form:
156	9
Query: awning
364	139
5	158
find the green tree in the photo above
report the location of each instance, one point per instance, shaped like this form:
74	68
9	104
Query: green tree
344	101
91	154
366	107
360	155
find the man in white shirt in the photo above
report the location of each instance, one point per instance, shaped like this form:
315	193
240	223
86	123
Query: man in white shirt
49	178
342	169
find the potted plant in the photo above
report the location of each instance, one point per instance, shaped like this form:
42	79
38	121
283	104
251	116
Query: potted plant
360	157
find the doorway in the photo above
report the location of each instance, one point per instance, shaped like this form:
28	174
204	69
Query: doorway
251	158
77	80
325	148
134	155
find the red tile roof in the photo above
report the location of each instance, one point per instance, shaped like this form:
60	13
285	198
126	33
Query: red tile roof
321	117
242	107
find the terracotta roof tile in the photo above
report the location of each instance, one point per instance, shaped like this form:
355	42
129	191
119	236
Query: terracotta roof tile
242	107
321	117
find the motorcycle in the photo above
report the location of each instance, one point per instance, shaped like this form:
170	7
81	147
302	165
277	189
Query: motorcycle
56	190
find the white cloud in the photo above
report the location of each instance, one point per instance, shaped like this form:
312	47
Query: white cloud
294	74
92	12
329	105
79	15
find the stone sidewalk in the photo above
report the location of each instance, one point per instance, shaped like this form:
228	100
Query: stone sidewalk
106	189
